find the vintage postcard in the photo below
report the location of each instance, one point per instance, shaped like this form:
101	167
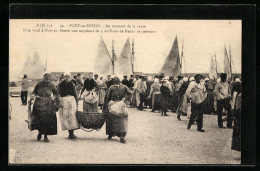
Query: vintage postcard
103	91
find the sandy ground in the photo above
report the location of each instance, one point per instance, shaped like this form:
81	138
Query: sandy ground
151	139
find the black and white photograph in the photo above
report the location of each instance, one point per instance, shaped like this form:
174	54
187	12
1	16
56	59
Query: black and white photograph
125	91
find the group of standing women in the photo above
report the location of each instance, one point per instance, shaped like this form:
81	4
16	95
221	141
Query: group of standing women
48	99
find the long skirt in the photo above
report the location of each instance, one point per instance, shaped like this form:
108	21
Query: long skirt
68	113
236	137
163	102
45	114
133	100
153	98
210	101
101	96
183	106
174	102
116	126
156	100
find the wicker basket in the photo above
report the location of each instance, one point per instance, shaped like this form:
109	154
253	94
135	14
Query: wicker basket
91	120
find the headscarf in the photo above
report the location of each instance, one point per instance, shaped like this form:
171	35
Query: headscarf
185	79
67	73
192	79
149	78
206	79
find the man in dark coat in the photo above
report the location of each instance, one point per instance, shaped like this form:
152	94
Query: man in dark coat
125	81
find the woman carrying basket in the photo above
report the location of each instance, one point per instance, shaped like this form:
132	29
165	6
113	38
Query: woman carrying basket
116	125
90	86
69	102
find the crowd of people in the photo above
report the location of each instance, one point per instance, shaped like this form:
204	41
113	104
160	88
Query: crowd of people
193	96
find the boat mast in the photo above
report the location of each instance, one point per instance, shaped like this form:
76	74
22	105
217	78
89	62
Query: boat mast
113	57
133	57
216	64
182	57
230	62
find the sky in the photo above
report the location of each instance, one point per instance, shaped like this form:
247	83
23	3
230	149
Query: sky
76	52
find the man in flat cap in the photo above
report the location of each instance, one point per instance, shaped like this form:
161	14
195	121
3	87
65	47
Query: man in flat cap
197	92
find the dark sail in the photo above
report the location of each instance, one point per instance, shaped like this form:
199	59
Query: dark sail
171	66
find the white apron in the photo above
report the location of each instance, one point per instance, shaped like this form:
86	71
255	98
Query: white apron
67	113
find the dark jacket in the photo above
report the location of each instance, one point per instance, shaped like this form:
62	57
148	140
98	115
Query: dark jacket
67	89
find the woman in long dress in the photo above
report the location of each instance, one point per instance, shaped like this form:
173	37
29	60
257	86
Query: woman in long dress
69	101
45	107
89	90
155	89
165	93
116	125
101	91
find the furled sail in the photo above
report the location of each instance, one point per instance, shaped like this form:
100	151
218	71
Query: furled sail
227	64
124	61
213	69
171	66
103	64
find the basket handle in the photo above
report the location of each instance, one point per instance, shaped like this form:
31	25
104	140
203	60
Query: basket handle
84	129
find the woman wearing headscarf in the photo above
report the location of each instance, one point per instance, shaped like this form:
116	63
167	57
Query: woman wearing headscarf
183	106
155	89
101	91
69	102
116	125
165	93
45	107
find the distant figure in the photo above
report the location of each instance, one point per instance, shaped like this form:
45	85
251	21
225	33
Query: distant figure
165	93
79	83
136	93
182	91
155	90
125	81
177	88
148	101
210	86
131	82
101	91
96	77
109	81
74	80
61	77
24	91
141	90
